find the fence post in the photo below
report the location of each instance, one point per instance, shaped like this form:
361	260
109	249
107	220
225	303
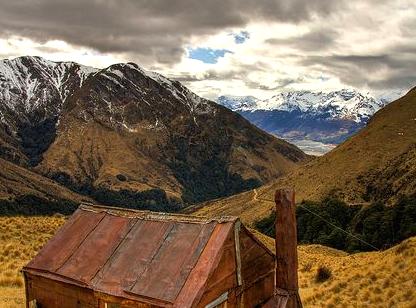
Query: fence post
286	291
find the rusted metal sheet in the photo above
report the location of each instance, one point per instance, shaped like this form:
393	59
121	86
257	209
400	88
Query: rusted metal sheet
96	249
255	260
166	273
132	255
224	276
66	241
275	303
209	260
259	291
130	259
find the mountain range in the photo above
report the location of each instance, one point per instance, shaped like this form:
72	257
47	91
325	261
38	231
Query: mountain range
124	134
378	164
315	121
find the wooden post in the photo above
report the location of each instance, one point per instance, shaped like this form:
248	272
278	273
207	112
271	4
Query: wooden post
286	292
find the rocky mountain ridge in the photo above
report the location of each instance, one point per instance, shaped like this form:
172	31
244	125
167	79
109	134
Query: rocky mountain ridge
302	116
343	104
124	134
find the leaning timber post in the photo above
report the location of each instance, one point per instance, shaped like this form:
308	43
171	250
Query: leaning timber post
286	291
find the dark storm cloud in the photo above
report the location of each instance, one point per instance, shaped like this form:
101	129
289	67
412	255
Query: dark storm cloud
279	84
384	71
408	27
150	30
314	40
211	75
237	71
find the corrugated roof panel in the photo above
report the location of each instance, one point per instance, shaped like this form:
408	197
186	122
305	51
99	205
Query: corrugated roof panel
132	256
56	252
131	253
167	272
208	260
96	249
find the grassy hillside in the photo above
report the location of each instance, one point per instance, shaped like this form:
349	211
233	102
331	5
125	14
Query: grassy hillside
22	187
20	239
377	164
372	279
376	279
348	171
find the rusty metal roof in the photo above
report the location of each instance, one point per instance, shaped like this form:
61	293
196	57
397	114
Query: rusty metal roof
133	254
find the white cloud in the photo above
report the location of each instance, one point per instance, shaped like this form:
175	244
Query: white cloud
368	45
363	31
56	50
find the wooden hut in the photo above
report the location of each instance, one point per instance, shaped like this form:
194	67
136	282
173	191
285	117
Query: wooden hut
110	257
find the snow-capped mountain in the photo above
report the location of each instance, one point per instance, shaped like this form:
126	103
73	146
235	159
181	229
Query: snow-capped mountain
122	130
343	104
238	102
34	92
34	89
305	116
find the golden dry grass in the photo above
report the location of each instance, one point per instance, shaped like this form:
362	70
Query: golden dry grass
371	279
375	279
18	181
20	239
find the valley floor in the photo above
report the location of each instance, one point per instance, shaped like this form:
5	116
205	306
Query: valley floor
374	279
312	147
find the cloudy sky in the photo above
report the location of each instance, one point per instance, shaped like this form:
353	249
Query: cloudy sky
227	47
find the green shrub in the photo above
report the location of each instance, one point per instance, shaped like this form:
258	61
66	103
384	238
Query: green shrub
34	205
379	225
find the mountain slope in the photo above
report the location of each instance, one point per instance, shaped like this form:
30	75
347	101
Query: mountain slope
376	164
18	183
124	129
329	118
32	93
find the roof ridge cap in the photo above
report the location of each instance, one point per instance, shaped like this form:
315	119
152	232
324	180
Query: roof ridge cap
150	215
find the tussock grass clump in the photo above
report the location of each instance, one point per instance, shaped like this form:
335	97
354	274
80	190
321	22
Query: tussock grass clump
307	267
402	247
323	274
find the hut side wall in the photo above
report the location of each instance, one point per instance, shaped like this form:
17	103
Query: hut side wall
50	293
124	303
257	270
224	277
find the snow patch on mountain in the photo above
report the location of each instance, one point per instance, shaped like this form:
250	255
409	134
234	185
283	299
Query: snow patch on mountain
344	104
195	103
36	89
389	96
28	82
238	102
